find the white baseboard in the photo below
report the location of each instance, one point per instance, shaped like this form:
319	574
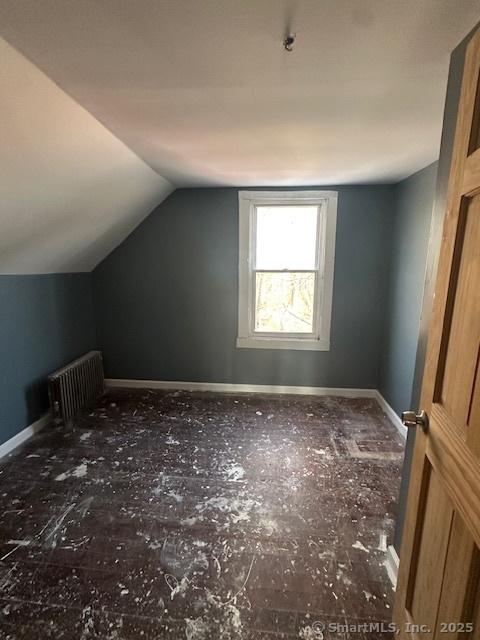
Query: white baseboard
394	417
25	434
241	388
391	563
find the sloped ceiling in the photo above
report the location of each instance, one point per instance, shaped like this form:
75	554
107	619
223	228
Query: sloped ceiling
204	92
70	191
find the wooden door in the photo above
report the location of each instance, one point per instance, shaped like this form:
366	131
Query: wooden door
438	591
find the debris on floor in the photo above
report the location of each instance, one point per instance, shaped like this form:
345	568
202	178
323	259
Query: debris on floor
200	516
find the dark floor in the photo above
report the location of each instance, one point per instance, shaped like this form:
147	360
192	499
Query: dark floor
200	516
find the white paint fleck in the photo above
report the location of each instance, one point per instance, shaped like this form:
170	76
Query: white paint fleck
77	472
176	587
20	543
310	633
235	472
200	543
359	545
196	629
176	496
270	525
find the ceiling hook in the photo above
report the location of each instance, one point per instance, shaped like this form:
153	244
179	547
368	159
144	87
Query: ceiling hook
289	41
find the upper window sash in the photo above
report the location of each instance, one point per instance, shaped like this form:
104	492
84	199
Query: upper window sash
262	258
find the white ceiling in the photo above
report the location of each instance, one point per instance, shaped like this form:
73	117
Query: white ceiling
203	91
69	190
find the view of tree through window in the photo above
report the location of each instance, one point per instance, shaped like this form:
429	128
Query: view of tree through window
284	302
286	247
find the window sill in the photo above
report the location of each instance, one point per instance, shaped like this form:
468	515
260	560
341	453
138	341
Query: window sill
294	344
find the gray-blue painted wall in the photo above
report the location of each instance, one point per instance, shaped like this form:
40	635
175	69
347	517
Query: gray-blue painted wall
166	298
414	199
45	321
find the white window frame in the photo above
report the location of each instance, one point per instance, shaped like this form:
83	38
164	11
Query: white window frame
319	339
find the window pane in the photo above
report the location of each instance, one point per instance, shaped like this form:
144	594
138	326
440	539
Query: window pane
286	237
284	302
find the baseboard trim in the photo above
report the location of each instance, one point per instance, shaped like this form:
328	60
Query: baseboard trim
394	417
241	388
24	435
391	563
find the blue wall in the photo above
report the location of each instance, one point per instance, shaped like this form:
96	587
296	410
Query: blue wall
166	298
166	303
414	199
45	321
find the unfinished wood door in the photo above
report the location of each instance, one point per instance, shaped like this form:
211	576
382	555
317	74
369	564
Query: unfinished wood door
438	591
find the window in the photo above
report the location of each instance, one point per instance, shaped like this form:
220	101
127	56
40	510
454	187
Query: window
287	246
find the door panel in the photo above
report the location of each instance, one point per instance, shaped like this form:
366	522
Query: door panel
438	583
461	358
460	582
473	437
475	133
425	580
458	468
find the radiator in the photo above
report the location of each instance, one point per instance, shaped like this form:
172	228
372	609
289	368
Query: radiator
76	385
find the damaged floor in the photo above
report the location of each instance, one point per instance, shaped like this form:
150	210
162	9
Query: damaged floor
201	516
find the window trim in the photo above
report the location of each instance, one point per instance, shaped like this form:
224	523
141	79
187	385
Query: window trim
320	339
